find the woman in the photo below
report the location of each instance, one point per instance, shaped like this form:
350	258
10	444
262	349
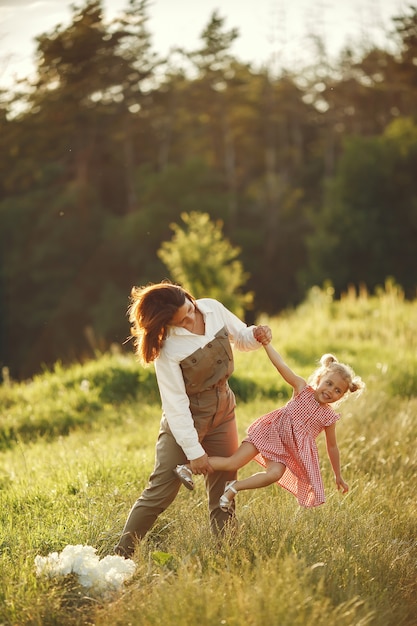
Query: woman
189	342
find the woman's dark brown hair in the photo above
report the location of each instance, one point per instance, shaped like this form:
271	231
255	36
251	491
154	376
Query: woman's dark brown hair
150	311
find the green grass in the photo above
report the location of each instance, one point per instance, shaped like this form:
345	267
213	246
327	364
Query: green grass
74	456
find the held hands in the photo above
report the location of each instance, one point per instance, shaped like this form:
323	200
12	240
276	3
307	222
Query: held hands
201	465
262	334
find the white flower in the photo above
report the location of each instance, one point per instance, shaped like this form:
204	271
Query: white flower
77	559
47	564
107	574
115	570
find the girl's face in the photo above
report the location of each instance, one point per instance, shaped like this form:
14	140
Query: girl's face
185	316
331	387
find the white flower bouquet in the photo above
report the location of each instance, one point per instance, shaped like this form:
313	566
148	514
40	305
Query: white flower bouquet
101	575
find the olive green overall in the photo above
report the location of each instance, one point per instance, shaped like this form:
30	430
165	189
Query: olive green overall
212	404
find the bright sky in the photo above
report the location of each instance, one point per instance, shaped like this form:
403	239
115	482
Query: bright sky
270	30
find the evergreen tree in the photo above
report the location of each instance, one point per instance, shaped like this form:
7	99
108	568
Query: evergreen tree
367	228
205	263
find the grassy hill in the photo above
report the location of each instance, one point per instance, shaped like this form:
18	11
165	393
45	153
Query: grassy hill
77	447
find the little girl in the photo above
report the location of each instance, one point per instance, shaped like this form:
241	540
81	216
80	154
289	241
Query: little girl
283	441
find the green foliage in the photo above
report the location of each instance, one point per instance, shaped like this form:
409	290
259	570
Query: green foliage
110	144
348	562
56	402
205	263
367	228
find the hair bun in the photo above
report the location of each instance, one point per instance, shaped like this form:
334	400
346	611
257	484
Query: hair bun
327	359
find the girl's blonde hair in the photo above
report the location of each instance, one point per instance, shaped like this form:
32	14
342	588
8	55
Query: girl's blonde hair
329	363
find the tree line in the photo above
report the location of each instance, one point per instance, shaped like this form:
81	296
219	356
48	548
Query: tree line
311	174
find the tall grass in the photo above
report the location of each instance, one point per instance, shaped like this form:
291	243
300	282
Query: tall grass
78	446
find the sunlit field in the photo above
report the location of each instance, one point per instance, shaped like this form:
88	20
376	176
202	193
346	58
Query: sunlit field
77	447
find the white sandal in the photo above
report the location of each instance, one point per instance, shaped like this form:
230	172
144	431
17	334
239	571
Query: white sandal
185	475
225	503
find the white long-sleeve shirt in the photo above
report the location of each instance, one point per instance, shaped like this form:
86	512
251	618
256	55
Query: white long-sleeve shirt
178	345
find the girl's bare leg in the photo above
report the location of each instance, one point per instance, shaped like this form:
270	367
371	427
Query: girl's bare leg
273	472
245	453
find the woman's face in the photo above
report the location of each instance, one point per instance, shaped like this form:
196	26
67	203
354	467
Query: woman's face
185	316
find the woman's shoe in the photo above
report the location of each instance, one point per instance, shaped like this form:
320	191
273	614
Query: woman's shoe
225	503
185	475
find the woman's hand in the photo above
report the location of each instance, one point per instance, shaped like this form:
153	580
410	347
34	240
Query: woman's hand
262	334
201	465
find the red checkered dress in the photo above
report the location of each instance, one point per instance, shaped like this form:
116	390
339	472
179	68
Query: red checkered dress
287	435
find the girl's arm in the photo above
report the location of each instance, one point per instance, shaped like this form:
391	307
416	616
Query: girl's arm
286	372
333	452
